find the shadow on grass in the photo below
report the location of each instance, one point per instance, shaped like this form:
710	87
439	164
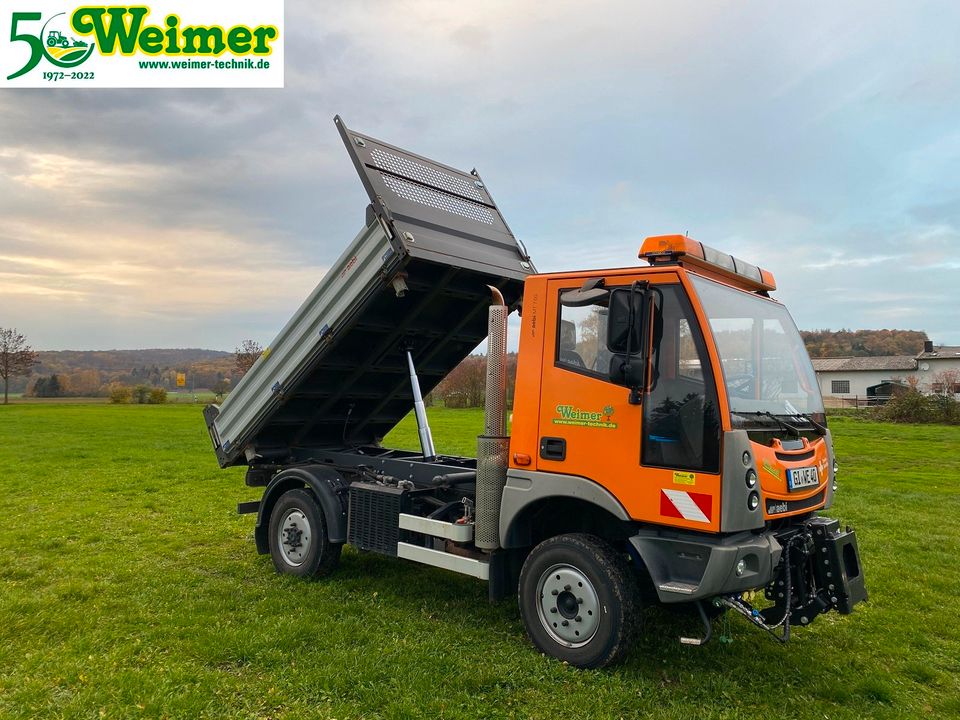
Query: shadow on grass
808	664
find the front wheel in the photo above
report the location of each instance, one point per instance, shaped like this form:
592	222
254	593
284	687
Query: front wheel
298	537
579	600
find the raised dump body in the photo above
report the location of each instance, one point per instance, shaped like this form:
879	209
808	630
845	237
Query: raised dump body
415	278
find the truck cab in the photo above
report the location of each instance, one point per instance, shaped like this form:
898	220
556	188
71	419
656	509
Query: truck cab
721	371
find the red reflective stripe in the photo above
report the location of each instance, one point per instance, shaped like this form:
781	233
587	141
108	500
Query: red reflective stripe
667	508
704	502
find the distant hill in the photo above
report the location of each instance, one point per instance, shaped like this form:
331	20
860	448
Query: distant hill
91	372
862	343
56	361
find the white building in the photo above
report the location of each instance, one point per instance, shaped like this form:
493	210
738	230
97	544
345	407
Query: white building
852	379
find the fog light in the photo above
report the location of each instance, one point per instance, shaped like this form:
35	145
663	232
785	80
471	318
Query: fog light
741	566
753	501
751	478
746	458
834	488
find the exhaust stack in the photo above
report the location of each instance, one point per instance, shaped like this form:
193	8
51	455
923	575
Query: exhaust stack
493	445
423	427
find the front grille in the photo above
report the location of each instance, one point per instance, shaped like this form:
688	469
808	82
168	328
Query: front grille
373	520
795	456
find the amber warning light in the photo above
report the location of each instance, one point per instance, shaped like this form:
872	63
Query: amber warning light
686	251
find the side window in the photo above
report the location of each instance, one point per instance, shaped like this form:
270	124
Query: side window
681	425
688	359
581	339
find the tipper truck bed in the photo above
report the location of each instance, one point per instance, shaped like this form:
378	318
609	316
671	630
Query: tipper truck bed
415	277
668	440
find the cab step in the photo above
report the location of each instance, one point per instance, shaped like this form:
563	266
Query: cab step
437	558
458	532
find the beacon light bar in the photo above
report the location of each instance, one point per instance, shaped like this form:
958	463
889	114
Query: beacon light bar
660	249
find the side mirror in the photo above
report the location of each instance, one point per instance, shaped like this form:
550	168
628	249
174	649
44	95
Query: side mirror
627	373
625	323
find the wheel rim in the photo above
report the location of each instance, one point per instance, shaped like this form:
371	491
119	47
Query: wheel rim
568	605
294	537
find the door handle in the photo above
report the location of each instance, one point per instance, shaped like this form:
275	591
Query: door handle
553	448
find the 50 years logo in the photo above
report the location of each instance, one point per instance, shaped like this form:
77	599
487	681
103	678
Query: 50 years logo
53	41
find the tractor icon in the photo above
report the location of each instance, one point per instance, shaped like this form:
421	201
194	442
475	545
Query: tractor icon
55	37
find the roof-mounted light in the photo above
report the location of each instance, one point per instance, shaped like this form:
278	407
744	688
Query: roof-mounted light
661	249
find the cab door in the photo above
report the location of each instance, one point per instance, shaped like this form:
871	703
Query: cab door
659	457
586	427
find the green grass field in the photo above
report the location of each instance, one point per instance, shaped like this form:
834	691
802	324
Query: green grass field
129	588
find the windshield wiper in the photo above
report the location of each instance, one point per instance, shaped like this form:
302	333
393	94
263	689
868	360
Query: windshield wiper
821	429
787	427
782	423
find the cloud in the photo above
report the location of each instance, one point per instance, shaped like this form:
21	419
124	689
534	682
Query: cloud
841	260
816	140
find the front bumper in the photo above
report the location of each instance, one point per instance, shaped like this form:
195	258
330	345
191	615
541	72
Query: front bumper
687	566
822	561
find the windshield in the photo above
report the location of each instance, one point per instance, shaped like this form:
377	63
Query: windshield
766	368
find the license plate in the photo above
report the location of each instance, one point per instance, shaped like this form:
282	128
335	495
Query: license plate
802	478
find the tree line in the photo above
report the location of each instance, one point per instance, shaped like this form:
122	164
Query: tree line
863	343
53	374
463	387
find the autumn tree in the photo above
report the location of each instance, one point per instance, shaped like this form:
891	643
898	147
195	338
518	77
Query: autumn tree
16	358
947	382
220	388
861	343
465	385
245	356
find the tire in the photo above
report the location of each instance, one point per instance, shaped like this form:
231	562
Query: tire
579	601
298	539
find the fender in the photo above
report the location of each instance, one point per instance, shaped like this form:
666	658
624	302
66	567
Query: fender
325	483
526	487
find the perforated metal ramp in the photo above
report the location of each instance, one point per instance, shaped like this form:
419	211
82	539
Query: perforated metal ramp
336	374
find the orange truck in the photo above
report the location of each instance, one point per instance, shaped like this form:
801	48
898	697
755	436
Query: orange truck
668	441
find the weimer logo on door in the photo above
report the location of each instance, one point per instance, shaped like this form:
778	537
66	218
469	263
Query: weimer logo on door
571	415
215	43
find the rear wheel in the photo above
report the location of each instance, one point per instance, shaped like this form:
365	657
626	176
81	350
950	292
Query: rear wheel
298	537
579	600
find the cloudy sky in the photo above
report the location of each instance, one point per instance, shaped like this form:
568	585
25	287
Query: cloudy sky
818	139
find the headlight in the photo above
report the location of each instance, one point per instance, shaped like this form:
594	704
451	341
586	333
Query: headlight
746	458
753	501
836	467
751	478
